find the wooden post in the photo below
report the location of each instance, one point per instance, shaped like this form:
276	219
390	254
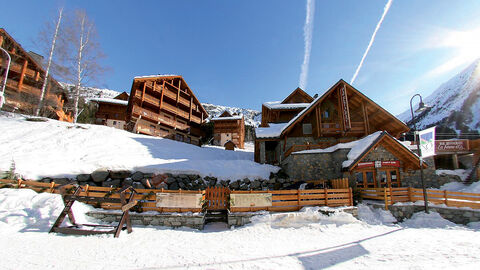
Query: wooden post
317	114
190	115
391	194
161	96
410	194
22	74
446	197
19	183
326	195
365	119
298	199
385	198
143	91
350	196
52	185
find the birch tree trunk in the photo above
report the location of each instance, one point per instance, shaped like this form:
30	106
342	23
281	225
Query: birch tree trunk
45	81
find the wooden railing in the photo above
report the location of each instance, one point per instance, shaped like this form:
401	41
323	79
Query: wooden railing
158	117
356	127
294	200
449	198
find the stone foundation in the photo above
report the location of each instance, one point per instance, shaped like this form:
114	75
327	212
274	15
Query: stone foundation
195	221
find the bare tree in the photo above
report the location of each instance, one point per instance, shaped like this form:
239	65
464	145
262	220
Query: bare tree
81	54
50	57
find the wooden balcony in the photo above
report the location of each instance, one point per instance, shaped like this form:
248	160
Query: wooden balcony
151	131
158	118
336	128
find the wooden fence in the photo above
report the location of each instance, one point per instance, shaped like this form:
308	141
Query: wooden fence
294	200
282	200
449	198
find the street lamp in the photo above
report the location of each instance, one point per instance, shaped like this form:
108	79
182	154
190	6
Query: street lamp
2	93
421	107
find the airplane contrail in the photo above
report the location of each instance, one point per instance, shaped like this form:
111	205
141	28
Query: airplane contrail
307	36
385	11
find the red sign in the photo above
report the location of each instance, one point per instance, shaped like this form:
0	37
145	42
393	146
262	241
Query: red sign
346	113
370	164
443	146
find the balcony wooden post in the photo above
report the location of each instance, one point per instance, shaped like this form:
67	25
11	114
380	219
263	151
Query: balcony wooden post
22	74
190	115
161	96
143	91
1	40
365	119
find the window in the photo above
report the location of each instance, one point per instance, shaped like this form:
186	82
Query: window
114	123
325	114
307	128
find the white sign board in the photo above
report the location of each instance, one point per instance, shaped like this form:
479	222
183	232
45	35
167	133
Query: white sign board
178	200
251	200
427	142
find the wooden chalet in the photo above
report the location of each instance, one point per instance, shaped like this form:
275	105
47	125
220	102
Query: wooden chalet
25	79
311	137
227	127
112	112
165	106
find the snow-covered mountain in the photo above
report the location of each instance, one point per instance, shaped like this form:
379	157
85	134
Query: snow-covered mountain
252	117
455	104
88	92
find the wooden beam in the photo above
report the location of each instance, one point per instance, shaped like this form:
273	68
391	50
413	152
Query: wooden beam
22	74
339	110
190	115
143	91
317	117
161	96
365	119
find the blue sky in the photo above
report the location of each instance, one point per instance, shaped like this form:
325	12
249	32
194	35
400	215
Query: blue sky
243	53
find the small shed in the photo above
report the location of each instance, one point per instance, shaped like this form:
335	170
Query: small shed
229	145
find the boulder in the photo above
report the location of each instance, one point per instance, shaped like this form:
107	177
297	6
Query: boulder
137	176
112	183
173	186
83	177
62	181
255	184
120	174
100	175
127	182
138	185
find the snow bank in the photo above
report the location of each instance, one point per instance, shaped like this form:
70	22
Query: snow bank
273	131
59	149
25	210
110	100
460	187
375	216
459	172
431	220
277	105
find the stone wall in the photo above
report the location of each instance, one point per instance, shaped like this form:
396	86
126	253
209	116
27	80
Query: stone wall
432	180
140	180
301	167
455	215
195	221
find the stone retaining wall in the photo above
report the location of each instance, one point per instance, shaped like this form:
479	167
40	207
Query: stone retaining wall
195	221
455	215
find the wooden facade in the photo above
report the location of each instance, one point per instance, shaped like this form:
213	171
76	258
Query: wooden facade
165	106
112	112
24	83
341	115
229	127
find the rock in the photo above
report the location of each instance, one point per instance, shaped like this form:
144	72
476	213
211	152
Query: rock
272	180
138	185
83	177
137	176
246	181
281	180
61	181
173	186
193	176
255	184
171	179
148	175
212	182
234	185
100	175
46	180
182	185
127	182
145	182
120	174
112	183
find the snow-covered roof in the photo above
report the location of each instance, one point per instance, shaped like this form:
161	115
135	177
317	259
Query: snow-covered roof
110	100
155	76
278	105
273	131
356	148
236	117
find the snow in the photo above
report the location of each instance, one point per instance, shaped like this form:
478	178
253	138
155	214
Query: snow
460	187
273	131
375	216
237	117
278	105
155	76
301	240
463	174
110	100
356	148
90	92
59	149
430	220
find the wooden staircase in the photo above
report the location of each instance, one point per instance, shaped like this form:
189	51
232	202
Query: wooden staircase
472	177
216	216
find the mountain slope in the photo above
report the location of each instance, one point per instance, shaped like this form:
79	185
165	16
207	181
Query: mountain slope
252	117
88	92
455	104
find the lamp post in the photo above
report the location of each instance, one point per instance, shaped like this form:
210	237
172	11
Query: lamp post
2	93
421	107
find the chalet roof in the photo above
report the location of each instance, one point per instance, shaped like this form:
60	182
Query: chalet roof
278	105
235	117
360	148
272	131
31	59
298	93
110	101
303	113
122	96
172	76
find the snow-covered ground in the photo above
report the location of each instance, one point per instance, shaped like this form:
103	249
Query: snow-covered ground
460	187
56	148
301	240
